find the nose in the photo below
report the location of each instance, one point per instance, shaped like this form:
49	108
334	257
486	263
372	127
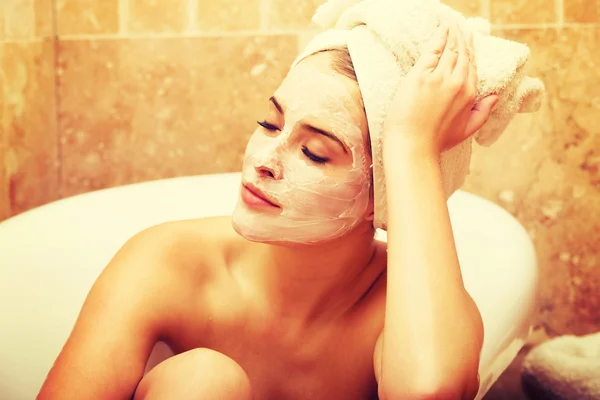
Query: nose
270	170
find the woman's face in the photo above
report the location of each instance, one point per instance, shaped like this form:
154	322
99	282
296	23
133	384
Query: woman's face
306	176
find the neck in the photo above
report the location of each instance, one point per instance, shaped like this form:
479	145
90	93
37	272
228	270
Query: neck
304	283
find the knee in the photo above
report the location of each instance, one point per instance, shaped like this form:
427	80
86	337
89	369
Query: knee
199	374
223	372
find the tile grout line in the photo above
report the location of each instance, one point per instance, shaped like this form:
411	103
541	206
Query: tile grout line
57	102
560	12
485	9
123	16
548	25
280	32
192	13
3	21
36	40
170	35
263	14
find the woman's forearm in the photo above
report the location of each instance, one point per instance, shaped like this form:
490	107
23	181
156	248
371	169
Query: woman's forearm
433	332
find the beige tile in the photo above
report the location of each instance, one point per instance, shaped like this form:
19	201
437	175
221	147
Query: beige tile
44	15
550	162
228	15
30	161
19	20
562	213
522	11
134	110
582	10
158	16
84	17
470	8
284	14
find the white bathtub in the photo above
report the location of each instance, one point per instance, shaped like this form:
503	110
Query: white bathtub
50	256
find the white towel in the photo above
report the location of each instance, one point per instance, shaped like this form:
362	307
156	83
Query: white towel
385	39
565	368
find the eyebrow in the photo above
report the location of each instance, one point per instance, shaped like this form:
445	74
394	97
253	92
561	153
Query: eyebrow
310	127
326	134
276	104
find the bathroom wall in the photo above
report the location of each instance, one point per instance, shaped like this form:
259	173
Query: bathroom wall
28	135
546	168
154	89
157	89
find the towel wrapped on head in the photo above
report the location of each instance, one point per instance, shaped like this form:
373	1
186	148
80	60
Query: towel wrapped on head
385	39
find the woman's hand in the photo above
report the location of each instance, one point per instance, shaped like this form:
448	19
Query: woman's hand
434	108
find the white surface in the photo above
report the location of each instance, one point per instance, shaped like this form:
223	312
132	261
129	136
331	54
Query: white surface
50	257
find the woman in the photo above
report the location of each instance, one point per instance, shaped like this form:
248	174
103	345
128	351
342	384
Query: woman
297	300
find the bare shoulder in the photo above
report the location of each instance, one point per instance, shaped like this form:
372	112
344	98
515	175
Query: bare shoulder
198	246
169	264
190	260
145	291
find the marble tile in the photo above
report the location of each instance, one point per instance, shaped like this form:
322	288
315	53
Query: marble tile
470	8
228	15
522	11
84	17
158	16
284	14
582	10
44	16
19	19
30	161
546	171
135	110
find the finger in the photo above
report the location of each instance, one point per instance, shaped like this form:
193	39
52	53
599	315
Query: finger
450	54
464	59
480	114
434	48
473	78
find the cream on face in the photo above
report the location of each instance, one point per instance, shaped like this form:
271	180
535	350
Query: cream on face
318	201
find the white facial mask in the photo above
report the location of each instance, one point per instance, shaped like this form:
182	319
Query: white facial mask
319	202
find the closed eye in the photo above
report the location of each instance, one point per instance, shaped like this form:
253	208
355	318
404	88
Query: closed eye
313	157
268	126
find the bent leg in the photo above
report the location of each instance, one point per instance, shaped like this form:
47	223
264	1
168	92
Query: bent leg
199	374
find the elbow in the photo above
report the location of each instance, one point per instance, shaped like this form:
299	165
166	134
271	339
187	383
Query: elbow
432	394
459	389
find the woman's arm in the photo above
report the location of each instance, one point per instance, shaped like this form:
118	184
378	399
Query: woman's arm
106	353
433	333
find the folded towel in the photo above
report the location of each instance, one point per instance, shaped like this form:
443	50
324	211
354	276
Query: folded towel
565	368
385	39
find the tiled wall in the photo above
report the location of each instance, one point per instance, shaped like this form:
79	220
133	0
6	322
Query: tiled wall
28	135
152	89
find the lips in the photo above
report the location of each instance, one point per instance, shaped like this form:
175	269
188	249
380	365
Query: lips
259	196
